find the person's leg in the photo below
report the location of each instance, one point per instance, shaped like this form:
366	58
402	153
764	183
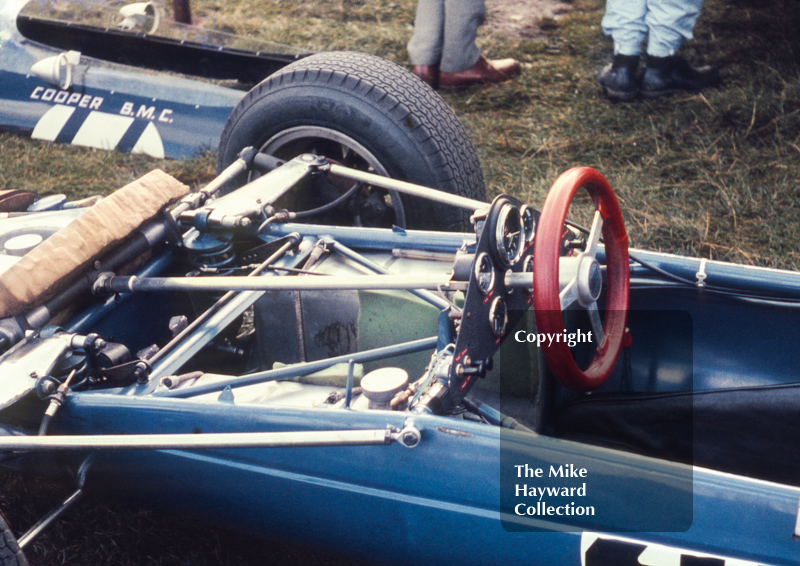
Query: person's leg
461	21
624	22
462	63
670	23
427	40
443	50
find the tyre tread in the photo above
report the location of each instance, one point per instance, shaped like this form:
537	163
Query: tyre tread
439	135
10	552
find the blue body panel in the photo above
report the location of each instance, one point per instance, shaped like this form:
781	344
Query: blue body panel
437	503
444	501
108	106
736	342
118	120
449	500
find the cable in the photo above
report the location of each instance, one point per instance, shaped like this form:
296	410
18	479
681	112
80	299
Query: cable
326	207
761	298
56	400
287	216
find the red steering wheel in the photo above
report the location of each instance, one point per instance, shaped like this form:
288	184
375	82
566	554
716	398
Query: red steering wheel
581	278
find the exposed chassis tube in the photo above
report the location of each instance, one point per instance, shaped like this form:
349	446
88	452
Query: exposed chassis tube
110	283
407	188
193	441
107	282
305	368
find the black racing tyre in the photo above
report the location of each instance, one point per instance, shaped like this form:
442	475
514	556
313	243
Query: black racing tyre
10	552
368	113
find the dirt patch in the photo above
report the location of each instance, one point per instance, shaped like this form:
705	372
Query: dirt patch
523	18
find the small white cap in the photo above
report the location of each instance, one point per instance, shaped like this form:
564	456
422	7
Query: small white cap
380	385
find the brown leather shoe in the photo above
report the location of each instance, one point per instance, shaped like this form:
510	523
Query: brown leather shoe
482	72
429	74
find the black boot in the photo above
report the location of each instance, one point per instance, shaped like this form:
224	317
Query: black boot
618	78
664	76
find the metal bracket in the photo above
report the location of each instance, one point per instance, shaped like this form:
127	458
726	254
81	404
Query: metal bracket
410	436
701	274
226	396
53	515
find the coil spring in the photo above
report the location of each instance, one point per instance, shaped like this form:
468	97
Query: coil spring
209	250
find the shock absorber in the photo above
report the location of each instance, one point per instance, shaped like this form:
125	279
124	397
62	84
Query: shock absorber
207	249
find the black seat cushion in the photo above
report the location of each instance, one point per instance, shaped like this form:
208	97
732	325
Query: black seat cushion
753	431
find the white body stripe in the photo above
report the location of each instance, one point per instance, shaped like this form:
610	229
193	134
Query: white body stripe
102	130
657	554
150	143
99	130
49	126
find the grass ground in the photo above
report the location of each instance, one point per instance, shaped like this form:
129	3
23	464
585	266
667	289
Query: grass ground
712	174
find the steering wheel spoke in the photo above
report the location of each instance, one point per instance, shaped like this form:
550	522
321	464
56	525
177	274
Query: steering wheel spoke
594	234
569	294
597	324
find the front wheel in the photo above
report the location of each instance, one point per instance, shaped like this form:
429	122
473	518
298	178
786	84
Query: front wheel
364	112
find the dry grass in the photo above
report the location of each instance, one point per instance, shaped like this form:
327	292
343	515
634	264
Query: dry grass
712	174
96	533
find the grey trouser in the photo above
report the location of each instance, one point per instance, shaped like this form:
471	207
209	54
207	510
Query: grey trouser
444	34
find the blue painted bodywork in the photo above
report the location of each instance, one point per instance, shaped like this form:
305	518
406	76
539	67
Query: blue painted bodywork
454	498
129	110
441	502
434	504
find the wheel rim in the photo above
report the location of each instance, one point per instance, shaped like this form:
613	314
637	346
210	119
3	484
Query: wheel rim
339	148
